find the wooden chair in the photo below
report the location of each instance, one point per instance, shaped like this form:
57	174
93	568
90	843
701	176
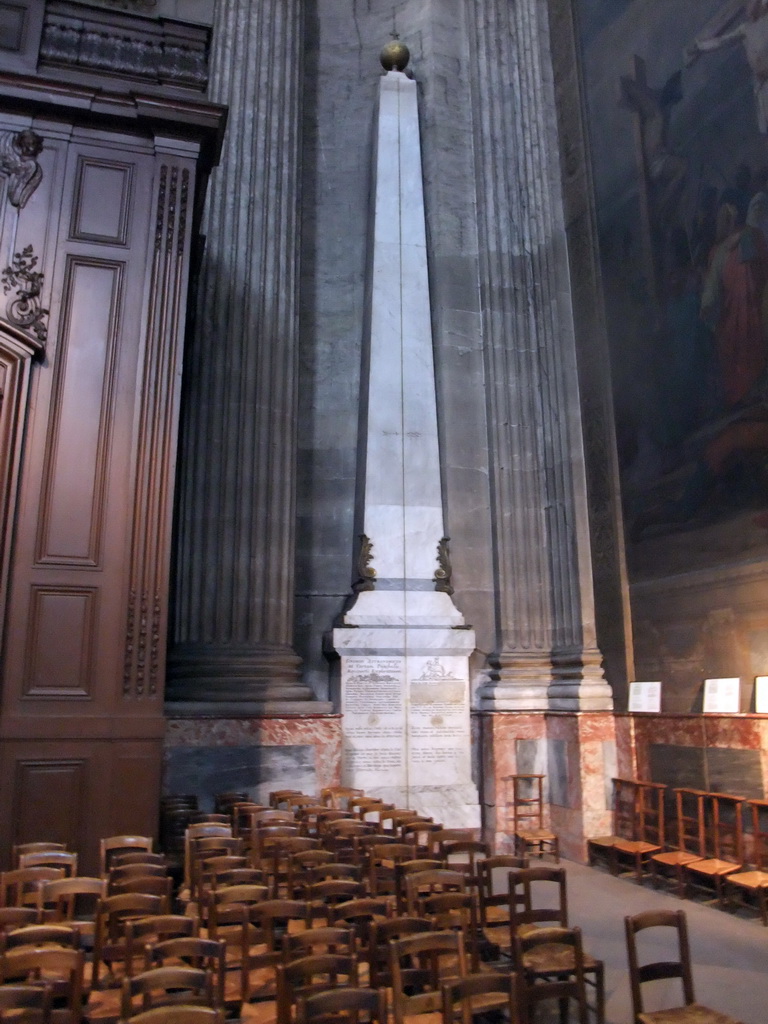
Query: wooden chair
148	885
465	855
163	985
15	917
110	938
301	870
329	893
338	797
120	872
551	966
380	935
201	830
481	994
60	968
648	829
343	1006
625	796
262	951
420	965
19	888
192	951
427	883
529	830
40	847
533	906
403	869
724	844
360	914
494	901
145	932
26	1004
72	900
309	975
328	939
120	844
38	935
50	859
382	861
120	860
690	1011
742	884
455	911
420	832
690	845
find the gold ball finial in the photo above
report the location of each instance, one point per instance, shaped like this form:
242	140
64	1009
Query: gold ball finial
395	56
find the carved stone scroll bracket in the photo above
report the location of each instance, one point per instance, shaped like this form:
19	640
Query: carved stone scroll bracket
444	569
25	310
366	572
18	159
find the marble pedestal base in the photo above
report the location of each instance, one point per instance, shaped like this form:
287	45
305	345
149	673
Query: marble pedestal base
405	718
577	754
208	754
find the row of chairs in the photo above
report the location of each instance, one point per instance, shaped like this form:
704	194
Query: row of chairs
707	848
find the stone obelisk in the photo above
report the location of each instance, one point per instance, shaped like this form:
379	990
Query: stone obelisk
403	644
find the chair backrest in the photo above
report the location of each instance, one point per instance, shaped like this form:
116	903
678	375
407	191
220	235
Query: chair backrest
120	844
758	810
493	870
649	823
112	917
724	827
531	900
417	989
425	883
460	997
311	974
50	859
654	970
15	917
342	1005
61	968
34	935
527	803
360	913
27	1003
339	796
543	980
690	820
120	872
192	951
19	888
40	847
328	939
67	899
381	933
157	929
166	984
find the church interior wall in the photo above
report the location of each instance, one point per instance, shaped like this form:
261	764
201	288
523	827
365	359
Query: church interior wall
670	137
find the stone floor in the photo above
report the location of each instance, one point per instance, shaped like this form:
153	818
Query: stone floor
729	950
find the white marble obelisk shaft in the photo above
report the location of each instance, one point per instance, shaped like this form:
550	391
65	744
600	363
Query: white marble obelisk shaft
405	661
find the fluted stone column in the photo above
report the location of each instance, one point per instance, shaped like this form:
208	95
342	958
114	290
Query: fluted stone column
234	567
547	655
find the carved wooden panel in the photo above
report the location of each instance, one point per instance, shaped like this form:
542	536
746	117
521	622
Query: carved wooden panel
48	800
102	201
83	397
60	642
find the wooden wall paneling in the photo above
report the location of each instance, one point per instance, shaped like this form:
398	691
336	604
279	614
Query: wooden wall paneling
77	500
165	301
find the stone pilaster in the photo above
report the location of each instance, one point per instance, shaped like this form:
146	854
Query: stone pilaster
547	654
234	572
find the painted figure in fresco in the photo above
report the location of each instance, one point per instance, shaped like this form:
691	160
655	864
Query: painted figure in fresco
753	33
733	302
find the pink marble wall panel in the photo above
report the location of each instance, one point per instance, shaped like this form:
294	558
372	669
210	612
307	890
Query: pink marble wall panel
585	737
322	732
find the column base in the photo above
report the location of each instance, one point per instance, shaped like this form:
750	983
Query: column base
517	682
235	675
556	681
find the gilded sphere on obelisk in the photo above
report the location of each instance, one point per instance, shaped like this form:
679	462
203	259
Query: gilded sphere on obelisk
395	56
